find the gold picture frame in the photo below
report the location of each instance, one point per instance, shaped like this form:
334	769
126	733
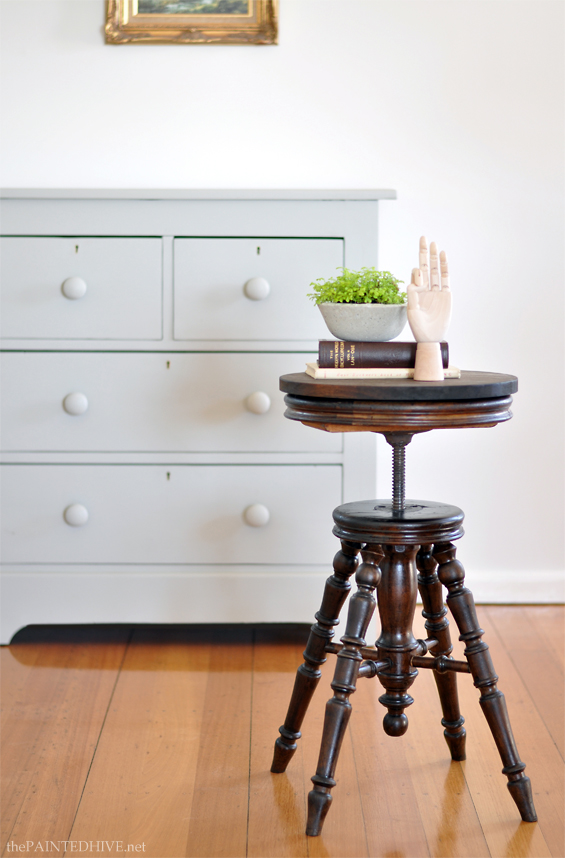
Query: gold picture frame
215	22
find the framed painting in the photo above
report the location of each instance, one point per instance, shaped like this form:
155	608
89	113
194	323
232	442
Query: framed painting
219	22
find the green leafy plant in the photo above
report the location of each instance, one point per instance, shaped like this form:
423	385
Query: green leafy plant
367	286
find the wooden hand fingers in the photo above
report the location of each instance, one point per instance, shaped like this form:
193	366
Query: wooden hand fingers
415	286
434	271
434	267
423	262
444	270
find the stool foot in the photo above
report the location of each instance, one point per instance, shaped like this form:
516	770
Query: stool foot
338	709
308	674
462	605
456	737
284	751
319	800
521	792
437	626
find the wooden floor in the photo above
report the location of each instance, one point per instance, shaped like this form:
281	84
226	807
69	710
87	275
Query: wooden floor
160	738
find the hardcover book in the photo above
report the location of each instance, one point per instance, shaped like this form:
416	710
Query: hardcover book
356	355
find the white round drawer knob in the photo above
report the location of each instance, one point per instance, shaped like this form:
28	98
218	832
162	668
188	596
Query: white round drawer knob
75	403
257	288
73	288
258	402
256	515
76	515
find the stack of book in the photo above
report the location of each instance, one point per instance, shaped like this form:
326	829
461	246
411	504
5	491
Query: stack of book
337	359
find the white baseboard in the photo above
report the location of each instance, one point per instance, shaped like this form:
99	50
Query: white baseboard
524	586
265	595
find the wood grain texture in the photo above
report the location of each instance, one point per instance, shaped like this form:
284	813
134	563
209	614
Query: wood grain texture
179	759
276	802
445	803
221	790
505	834
544	765
390	807
549	622
57	684
529	647
392	416
170	758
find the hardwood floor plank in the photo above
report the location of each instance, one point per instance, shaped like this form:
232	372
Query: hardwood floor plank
389	804
277	802
144	777
505	834
57	685
549	621
181	757
541	672
389	801
218	814
445	804
416	801
343	834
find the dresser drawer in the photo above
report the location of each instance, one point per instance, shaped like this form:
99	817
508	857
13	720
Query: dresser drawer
182	514
82	288
152	402
209	279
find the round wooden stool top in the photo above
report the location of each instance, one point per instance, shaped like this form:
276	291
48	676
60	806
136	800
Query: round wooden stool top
399	405
419	523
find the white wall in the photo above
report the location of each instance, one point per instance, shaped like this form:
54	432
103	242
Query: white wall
457	104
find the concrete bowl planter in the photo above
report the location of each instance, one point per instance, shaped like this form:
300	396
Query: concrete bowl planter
372	323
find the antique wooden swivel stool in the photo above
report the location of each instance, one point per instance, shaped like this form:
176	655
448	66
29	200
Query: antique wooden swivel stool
404	545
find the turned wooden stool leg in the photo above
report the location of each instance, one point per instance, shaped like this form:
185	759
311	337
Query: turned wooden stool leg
338	709
462	606
308	675
437	626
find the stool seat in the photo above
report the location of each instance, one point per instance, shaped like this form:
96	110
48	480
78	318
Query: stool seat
377	522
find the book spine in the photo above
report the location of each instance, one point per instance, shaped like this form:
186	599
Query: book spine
338	354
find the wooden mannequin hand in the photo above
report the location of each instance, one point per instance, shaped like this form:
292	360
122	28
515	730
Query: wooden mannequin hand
429	296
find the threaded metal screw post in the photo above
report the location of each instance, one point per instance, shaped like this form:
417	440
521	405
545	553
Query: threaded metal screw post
398	477
398	441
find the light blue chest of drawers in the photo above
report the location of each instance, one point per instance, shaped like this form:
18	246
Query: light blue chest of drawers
148	472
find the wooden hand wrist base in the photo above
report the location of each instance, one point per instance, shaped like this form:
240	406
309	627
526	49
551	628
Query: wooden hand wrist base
404	546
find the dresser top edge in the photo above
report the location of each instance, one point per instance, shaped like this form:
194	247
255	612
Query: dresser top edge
196	194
